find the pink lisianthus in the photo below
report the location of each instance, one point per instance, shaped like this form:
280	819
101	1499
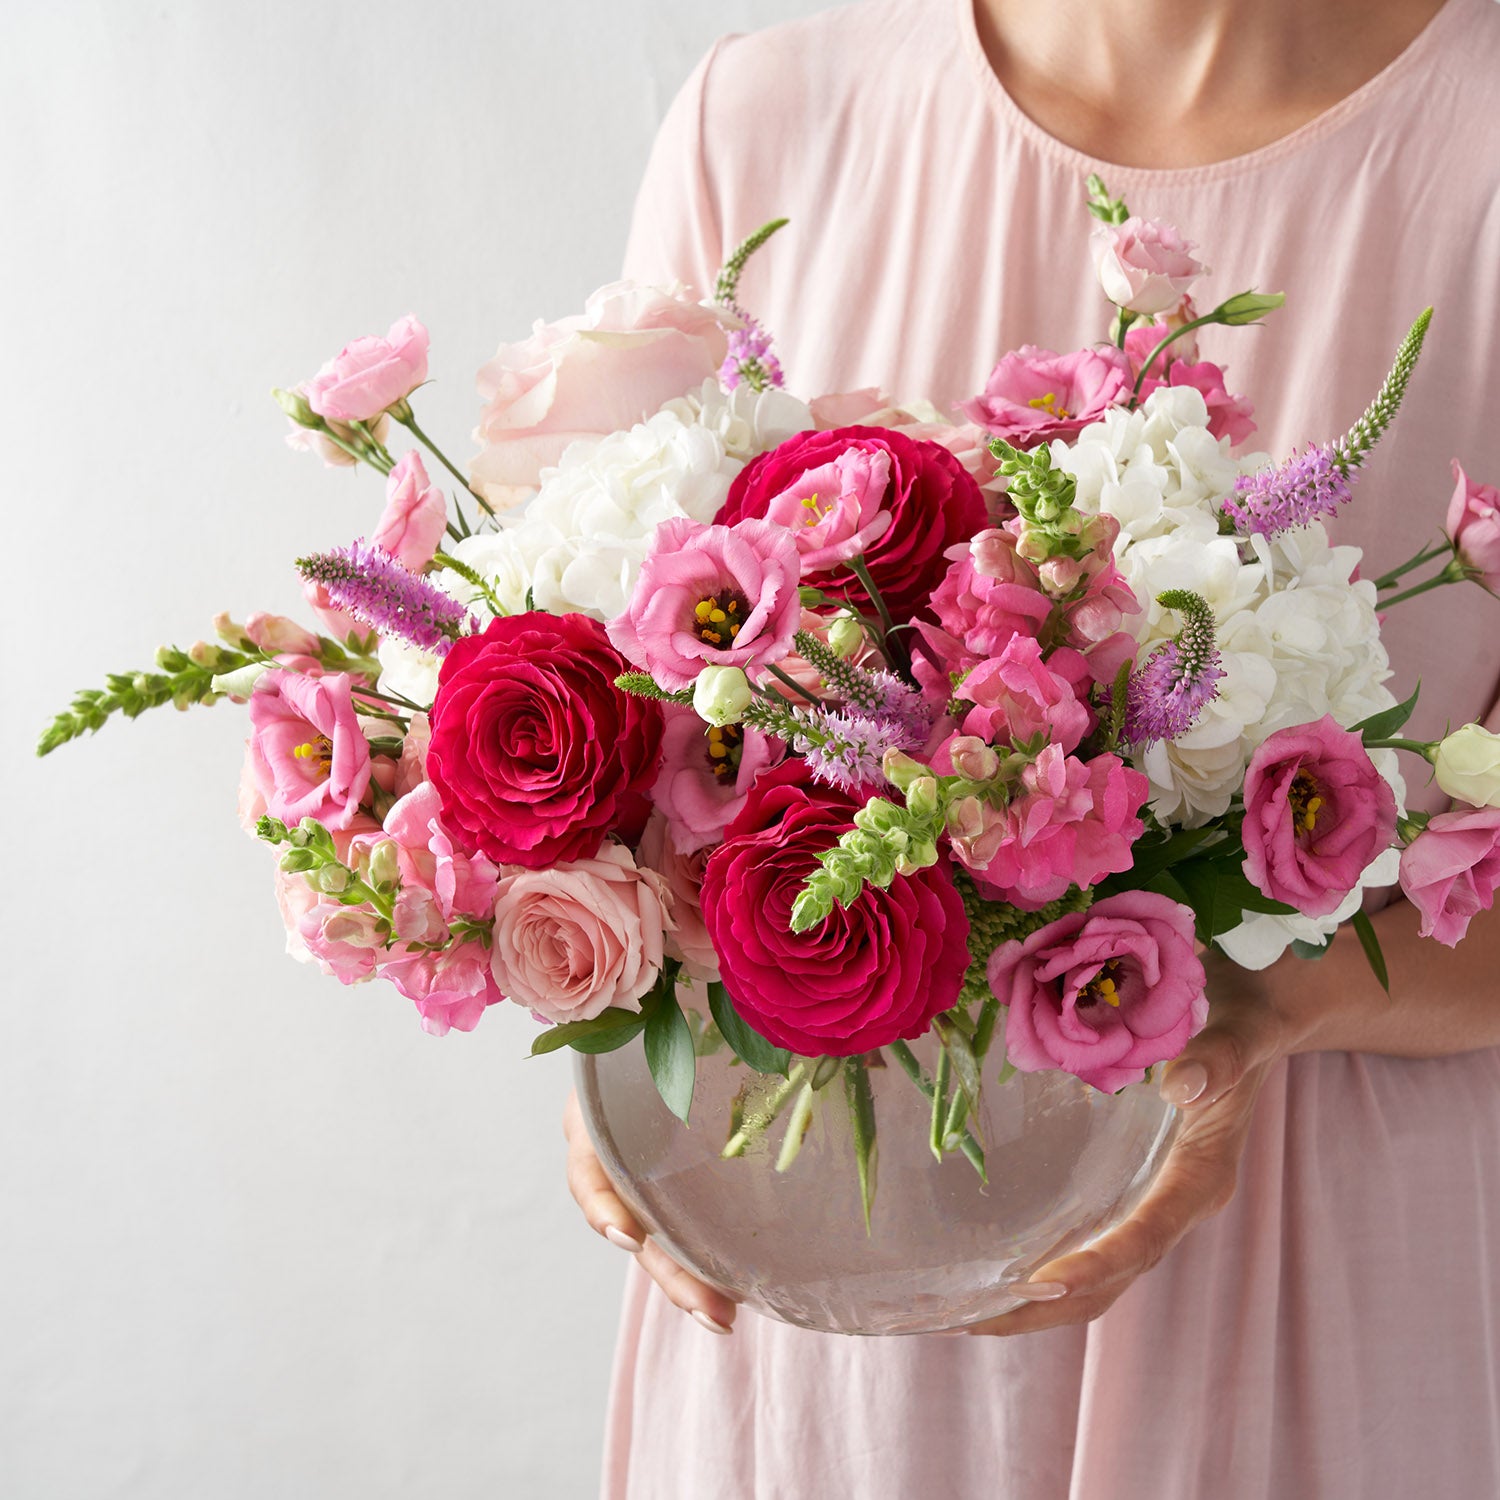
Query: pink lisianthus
711	595
688	940
1142	338
310	756
451	987
1103	994
706	774
415	515
1034	395
1451	869
833	511
1474	527
633	349
1073	823
370	375
1317	813
1016	697
1144	266
572	940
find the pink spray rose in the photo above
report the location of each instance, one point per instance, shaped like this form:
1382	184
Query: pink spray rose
574	939
1103	994
1144	266
711	595
706	774
415	515
1034	395
931	498
310	757
536	752
878	969
1451	869
688	940
1474	526
1317	813
1073	823
366	377
1017	697
833	510
632	350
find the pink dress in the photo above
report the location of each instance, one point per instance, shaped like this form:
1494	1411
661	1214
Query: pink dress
1334	1334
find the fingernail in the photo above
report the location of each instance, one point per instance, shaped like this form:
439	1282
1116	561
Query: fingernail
621	1240
713	1325
1185	1083
1039	1291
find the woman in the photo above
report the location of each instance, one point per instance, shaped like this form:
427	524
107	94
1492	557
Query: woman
1332	1330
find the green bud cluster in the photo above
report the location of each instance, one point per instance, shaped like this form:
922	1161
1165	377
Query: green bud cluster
643	685
1043	496
1353	448
726	288
309	851
994	923
1108	210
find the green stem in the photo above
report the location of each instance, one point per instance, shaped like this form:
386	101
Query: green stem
1417	747
909	1065
791	682
408	420
1388	580
765	1115
1176	333
939	1103
1453	573
796	1127
861	571
358	455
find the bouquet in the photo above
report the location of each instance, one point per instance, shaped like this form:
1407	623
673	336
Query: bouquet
699	717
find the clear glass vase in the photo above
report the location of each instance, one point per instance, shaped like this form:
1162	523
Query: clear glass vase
1063	1163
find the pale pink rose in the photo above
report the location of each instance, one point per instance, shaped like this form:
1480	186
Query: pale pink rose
833	511
450	988
277	636
683	875
1103	994
632	350
310	440
698	790
415	516
1073	823
1016	697
572	940
1451	869
370	375
724	596
1317	813
1145	266
1034	395
310	757
1474	527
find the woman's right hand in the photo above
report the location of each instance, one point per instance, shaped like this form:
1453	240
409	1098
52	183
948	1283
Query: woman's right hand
601	1206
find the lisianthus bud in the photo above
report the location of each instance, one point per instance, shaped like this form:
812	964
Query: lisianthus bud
972	758
845	635
721	695
1467	766
241	682
1248	307
294	404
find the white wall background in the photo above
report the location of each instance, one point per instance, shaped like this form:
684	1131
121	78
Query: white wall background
259	1235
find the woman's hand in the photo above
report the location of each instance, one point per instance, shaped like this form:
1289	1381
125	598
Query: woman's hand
1216	1082
601	1206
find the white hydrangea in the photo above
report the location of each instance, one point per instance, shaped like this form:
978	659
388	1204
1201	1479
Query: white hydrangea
746	421
408	671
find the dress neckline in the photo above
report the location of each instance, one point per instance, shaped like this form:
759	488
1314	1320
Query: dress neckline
1411	58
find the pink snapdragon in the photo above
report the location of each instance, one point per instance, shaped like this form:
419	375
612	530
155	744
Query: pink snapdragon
1317	813
309	755
1473	526
1103	994
415	516
1016	697
370	375
1144	265
1450	871
833	511
1034	395
721	595
450	987
438	882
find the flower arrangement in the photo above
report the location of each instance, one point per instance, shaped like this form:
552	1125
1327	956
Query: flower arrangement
850	722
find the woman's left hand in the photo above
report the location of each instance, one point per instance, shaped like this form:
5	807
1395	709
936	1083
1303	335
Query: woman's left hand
1216	1081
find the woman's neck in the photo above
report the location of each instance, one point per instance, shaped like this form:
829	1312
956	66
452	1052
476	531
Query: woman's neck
1177	83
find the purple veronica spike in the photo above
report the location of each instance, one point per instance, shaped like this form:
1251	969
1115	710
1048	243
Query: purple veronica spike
1167	694
901	710
750	359
1286	495
849	757
367	582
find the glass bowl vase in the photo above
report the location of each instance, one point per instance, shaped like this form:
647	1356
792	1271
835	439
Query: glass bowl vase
1063	1162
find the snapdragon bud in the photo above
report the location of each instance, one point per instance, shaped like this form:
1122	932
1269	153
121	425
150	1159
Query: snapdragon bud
241	682
845	636
721	695
901	770
332	880
918	857
972	758
385	868
966	818
922	797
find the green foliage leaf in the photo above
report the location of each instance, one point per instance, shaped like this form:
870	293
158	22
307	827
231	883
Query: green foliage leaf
602	1033
1219	892
1152	858
1369	940
745	1042
669	1051
1388	721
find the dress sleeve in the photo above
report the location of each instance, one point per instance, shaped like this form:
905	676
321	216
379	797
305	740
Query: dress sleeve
675	229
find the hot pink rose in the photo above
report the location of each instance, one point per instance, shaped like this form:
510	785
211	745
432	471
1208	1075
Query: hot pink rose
366	377
415	515
1017	697
310	757
536	752
1474	526
930	497
1317	813
688	939
711	596
878	969
451	987
1034	395
1073	823
706	774
1144	266
1103	994
833	511
631	351
1451	869
572	940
